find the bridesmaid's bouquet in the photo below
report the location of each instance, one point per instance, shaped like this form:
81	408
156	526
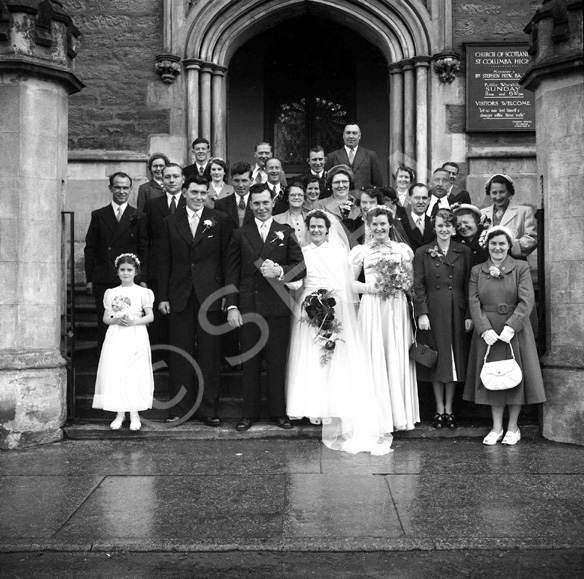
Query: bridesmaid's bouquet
392	278
319	310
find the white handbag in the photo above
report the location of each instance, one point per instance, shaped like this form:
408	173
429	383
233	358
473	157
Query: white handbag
501	375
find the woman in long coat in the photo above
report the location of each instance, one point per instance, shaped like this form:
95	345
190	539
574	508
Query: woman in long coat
441	272
501	298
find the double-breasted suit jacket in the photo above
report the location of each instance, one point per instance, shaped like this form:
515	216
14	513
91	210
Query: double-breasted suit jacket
107	238
365	167
228	205
246	253
521	220
441	292
147	192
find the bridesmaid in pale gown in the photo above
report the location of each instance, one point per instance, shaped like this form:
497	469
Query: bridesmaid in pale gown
335	389
384	317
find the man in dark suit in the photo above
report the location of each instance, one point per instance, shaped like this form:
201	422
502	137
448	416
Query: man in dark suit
440	183
262	256
237	205
455	193
157	210
275	172
417	225
193	250
114	229
201	167
363	162
316	161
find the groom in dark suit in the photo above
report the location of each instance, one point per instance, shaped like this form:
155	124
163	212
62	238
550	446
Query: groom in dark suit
262	256
363	162
191	270
114	229
416	224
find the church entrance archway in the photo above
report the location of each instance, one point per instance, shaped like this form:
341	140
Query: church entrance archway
297	84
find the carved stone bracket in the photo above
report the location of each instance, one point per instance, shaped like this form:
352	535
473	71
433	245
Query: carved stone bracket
446	65
168	67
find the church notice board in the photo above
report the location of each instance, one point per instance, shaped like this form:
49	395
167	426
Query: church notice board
495	101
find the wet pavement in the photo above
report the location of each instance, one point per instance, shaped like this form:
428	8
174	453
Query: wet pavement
291	495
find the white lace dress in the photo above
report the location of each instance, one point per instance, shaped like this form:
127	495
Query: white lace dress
124	375
387	332
340	392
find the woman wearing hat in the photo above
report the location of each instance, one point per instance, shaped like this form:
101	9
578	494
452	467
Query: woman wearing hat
470	225
518	218
500	299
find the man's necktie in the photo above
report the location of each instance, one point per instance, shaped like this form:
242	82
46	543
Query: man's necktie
435	209
263	232
258	177
241	203
201	170
351	156
119	213
194	223
173	205
420	224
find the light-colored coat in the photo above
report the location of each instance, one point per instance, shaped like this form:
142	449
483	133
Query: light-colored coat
521	220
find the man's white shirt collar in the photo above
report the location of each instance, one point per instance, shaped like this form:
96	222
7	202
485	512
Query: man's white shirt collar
115	207
349	148
169	197
442	203
190	212
260	223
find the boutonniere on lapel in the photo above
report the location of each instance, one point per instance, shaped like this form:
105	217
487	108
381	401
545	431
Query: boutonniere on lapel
209	223
495	272
278	236
435	253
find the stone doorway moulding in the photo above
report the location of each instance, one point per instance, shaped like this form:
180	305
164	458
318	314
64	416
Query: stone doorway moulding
211	31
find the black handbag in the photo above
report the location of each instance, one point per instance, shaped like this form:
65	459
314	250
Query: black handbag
422	353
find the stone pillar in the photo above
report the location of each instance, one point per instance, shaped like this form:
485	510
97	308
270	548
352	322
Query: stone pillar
422	64
409	115
556	75
219	124
193	67
396	116
205	93
37	47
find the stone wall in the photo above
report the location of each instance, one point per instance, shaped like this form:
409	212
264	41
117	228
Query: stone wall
119	42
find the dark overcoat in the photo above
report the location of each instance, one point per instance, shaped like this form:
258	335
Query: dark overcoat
441	292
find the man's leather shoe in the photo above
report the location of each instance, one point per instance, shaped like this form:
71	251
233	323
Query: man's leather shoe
212	421
283	422
244	424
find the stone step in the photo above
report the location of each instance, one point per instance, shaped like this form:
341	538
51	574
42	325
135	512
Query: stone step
190	430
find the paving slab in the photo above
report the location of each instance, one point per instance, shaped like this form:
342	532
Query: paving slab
37	506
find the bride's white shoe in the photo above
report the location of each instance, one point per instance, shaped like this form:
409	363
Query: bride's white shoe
118	421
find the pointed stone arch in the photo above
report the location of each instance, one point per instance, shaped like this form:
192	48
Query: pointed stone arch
401	30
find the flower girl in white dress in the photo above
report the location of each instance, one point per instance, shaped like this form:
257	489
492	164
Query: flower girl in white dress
124	375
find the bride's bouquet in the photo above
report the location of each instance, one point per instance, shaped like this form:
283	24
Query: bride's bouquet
392	278
319	310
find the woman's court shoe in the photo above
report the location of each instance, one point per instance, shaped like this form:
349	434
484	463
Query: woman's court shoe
438	421
244	424
450	421
512	438
492	438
